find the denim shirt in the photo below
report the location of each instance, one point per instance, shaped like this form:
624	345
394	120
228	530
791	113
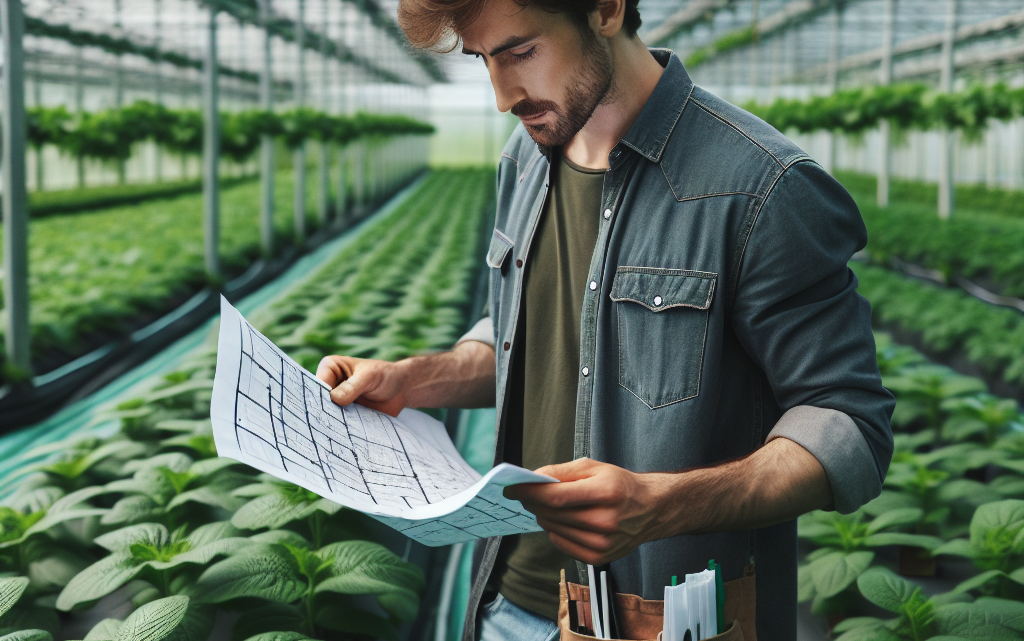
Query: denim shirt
720	313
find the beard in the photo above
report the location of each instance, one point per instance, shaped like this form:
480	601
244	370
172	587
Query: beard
589	86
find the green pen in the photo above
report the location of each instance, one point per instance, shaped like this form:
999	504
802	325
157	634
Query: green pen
719	594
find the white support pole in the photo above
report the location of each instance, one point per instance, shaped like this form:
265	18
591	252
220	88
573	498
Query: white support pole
884	126
324	186
79	108
299	156
266	142
15	195
37	101
158	155
211	153
947	138
119	85
828	158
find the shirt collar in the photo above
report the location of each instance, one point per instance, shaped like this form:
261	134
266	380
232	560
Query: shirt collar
653	126
651	129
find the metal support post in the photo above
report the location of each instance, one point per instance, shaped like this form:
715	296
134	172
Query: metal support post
15	196
324	186
947	138
828	157
299	155
884	129
119	87
37	101
211	153
79	108
158	156
267	170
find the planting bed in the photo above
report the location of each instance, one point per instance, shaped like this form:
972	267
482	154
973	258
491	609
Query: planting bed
93	276
195	540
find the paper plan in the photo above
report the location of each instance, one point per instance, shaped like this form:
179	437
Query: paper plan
272	414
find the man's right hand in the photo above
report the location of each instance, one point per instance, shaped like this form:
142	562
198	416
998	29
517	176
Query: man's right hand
376	384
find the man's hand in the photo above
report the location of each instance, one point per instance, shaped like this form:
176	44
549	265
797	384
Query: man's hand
376	384
463	377
598	513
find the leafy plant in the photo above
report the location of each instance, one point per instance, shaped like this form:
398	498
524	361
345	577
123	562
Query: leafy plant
996	545
918	618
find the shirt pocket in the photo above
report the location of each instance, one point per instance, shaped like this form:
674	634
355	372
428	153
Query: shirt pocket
662	318
500	252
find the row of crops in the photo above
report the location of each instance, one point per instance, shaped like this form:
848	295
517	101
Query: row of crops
96	275
112	134
146	534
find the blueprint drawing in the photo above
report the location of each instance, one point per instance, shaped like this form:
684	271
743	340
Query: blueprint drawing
272	414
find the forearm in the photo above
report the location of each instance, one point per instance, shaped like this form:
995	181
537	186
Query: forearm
776	483
463	377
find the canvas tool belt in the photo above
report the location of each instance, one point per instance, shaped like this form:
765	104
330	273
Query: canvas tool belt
641	620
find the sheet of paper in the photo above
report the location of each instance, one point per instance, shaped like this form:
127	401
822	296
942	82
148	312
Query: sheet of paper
272	414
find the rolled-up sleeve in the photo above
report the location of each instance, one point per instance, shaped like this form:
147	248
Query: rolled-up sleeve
799	316
482	331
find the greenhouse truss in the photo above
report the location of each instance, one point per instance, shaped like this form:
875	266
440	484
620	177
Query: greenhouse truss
157	154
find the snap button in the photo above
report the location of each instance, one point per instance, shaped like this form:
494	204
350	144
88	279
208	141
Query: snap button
519	262
522	177
593	285
607	214
586	371
507	345
657	301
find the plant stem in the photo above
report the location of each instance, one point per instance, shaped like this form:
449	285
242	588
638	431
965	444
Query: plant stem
309	608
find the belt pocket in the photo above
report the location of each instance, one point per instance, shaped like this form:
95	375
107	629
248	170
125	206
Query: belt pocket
662	318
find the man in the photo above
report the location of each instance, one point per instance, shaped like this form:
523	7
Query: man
678	337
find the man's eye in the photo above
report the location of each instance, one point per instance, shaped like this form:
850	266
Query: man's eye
526	55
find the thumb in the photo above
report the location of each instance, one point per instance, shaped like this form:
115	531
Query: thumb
349	390
581	468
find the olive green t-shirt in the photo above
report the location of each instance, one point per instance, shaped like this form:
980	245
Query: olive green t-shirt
544	369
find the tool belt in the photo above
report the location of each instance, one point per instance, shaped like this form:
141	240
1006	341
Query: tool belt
642	620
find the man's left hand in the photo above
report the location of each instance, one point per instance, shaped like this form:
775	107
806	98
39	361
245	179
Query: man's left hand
598	513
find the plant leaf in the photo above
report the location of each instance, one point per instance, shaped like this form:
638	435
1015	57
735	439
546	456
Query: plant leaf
98	580
119	540
885	589
104	630
976	621
977	581
956	547
895	518
268	511
262	571
901	538
28	635
11	589
153	621
131	509
834	572
280	636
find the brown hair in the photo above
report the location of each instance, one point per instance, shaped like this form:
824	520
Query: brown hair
437	24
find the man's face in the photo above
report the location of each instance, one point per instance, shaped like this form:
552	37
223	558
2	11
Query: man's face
543	68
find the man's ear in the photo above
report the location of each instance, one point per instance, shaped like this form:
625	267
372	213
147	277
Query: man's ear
610	15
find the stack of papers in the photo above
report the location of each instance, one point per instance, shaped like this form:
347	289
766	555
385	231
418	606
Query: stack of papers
272	414
691	606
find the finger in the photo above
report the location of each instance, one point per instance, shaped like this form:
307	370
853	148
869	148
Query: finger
566	495
576	470
391	407
330	371
349	390
598	520
579	545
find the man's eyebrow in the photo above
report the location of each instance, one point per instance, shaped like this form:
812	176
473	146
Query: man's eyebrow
513	41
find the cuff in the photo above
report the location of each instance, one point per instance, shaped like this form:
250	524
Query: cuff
483	332
834	439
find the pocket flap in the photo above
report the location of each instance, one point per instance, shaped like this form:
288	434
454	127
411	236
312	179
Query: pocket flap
499	251
659	289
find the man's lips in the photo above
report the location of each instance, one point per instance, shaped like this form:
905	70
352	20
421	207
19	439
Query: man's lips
534	119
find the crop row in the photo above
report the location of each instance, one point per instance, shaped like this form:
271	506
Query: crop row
112	133
92	275
947	319
188	537
906	106
971	199
953	494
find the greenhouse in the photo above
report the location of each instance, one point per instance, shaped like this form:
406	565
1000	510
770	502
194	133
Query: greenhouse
414	308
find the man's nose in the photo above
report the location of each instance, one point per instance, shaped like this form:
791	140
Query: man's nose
506	94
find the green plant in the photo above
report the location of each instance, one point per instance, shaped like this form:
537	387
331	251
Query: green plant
945	617
309	586
845	548
923	390
996	546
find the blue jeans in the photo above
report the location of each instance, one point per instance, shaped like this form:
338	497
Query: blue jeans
502	620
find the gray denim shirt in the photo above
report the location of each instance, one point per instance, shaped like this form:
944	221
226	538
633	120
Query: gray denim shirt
720	313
